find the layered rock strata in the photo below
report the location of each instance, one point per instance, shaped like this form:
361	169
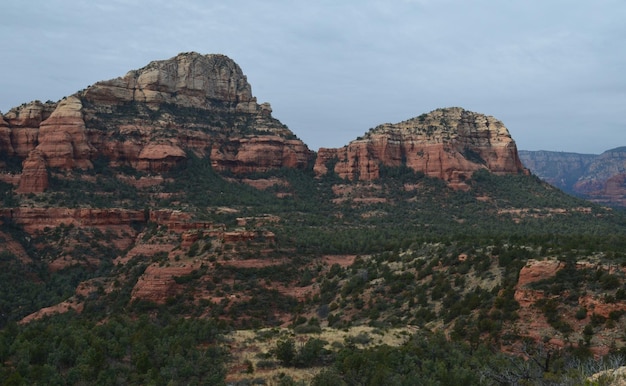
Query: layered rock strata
151	119
599	178
449	144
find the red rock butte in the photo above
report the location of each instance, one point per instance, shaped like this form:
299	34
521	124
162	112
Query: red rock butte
151	119
449	144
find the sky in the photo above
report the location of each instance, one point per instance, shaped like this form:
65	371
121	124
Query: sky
553	71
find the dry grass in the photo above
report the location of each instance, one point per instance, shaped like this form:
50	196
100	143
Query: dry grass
253	346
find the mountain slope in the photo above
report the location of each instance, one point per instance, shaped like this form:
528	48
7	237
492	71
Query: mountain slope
149	120
599	178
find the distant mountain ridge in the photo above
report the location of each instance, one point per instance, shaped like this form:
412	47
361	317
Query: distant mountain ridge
597	177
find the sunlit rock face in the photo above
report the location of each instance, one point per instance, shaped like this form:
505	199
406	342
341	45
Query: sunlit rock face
153	119
449	144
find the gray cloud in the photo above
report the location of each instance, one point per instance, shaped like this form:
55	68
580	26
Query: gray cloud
551	71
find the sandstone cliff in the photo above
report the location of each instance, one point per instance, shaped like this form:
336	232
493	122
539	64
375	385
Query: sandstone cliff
447	143
20	126
150	119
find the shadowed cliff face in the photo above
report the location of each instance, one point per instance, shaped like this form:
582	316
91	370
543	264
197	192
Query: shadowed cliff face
449	144
149	120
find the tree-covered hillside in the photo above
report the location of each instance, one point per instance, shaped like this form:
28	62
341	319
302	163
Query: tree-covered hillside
319	253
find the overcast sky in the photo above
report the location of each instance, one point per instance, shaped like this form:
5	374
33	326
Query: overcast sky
553	71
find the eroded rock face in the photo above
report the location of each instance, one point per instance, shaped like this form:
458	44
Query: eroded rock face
599	178
447	143
62	137
188	80
152	118
260	154
19	128
34	177
533	321
160	157
24	140
157	283
5	138
29	115
614	191
534	271
33	219
192	102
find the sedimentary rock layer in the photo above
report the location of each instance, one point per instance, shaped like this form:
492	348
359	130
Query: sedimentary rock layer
447	143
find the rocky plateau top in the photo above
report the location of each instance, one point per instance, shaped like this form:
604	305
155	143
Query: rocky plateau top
449	144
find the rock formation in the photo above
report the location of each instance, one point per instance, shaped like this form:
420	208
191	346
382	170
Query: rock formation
559	169
599	178
447	143
62	137
34	177
34	219
150	119
613	192
20	126
260	154
157	283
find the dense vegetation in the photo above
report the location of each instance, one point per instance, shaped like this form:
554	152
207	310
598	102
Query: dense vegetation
431	359
407	230
72	350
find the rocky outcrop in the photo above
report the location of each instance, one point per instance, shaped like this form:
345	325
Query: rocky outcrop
62	137
449	144
29	115
599	178
5	138
180	222
160	157
60	308
188	80
614	377
533	321
151	119
24	140
158	283
33	219
19	127
613	192
534	271
34	177
260	154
